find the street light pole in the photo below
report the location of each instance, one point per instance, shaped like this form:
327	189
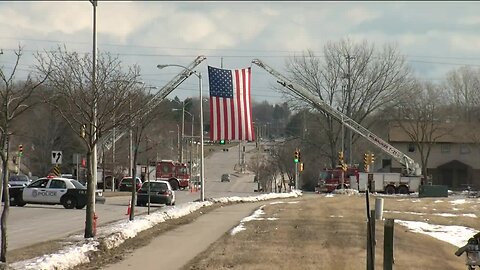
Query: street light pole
191	147
183	131
94	79
202	163
90	213
183	135
130	148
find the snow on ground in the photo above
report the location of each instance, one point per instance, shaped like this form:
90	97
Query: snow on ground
455	235
116	233
279	202
255	216
459	201
434	214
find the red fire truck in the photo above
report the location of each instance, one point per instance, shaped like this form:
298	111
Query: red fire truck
331	179
411	173
174	172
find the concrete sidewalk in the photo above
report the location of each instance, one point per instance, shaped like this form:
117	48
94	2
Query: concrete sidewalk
175	248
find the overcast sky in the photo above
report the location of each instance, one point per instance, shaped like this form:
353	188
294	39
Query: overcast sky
434	36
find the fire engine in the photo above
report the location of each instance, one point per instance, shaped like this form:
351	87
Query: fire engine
407	181
331	179
174	172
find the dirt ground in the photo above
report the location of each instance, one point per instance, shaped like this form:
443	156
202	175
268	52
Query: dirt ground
316	232
322	232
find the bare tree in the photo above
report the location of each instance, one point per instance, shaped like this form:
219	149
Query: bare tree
88	105
421	116
255	165
356	79
463	84
15	100
40	131
144	118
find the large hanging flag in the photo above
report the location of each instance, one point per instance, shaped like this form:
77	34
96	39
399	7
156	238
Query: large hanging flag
230	111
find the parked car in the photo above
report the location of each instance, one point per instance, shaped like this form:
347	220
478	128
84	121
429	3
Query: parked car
225	177
18	180
126	184
160	192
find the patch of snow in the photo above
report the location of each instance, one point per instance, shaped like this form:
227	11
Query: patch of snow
347	191
455	235
276	202
434	214
459	201
279	202
254	216
237	229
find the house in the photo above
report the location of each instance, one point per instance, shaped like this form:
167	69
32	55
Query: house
454	158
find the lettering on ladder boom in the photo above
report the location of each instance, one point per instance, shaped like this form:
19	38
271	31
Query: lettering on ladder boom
389	148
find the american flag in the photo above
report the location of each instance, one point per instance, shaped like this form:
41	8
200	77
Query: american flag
230	111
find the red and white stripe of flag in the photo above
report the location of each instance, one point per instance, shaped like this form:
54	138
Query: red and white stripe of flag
231	118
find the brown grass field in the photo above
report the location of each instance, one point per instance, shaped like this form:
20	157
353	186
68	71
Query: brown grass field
316	232
322	232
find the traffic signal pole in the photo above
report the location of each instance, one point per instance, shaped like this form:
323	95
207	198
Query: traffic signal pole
20	155
296	160
296	176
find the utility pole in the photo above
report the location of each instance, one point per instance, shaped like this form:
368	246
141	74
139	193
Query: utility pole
183	131
349	106
178	142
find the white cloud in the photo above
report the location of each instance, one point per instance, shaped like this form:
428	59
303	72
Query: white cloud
123	19
66	17
360	15
467	43
471	20
190	28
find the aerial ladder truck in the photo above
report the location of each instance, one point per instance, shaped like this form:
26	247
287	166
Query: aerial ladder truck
110	138
407	181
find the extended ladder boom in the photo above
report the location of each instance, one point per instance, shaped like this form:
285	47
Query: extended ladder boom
157	99
411	166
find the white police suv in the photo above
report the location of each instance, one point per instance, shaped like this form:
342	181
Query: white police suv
51	190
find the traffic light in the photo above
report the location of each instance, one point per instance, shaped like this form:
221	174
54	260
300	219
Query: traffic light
365	159
296	156
299	156
83	129
372	158
20	150
222	141
340	157
301	167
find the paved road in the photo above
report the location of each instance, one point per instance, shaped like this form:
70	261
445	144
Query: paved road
187	241
37	223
